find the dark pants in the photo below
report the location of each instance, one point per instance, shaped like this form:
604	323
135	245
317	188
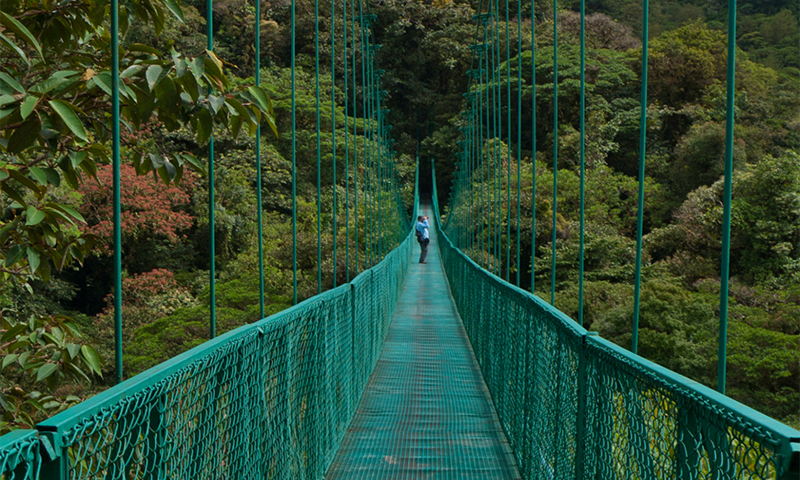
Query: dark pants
423	250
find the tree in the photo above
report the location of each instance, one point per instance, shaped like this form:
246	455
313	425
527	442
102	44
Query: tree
149	208
40	355
54	93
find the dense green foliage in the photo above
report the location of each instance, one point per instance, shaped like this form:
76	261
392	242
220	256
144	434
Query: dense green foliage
55	214
683	189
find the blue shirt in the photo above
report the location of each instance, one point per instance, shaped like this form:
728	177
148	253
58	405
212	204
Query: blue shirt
422	228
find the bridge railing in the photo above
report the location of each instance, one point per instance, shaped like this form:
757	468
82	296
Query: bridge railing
272	399
576	406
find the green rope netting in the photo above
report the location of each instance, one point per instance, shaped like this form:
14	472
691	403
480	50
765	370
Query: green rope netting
483	191
574	405
268	400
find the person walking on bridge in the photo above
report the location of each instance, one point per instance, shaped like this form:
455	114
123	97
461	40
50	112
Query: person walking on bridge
422	237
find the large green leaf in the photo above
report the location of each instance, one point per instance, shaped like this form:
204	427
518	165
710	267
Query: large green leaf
47	85
73	349
27	106
103	80
11	192
175	8
20	31
9	80
140	47
53	178
34	258
265	104
6	99
25	181
14	255
70	118
205	126
193	161
24	136
35	216
167	94
153	75
69	211
92	358
261	98
45	371
13	46
9	359
216	102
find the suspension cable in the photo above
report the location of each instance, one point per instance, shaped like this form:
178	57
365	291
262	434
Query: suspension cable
583	162
333	136
640	201
555	153
261	297
212	301
319	149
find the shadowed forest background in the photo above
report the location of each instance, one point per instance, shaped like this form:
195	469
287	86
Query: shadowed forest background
425	54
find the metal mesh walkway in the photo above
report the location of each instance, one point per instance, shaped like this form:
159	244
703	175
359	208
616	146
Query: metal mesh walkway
426	412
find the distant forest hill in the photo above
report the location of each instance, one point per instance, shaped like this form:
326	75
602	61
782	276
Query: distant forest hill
766	30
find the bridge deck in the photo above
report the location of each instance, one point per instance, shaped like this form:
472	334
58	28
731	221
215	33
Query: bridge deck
426	412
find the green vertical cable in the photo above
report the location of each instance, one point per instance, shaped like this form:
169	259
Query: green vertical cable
640	208
498	136
519	131
488	152
384	177
379	167
375	145
367	99
319	160
355	137
261	299
583	162
346	149
480	144
117	208
508	147
490	149
485	145
376	215
555	152
373	161
294	161
364	114
471	153
369	235
533	148
469	157
726	215
472	165
333	127
212	300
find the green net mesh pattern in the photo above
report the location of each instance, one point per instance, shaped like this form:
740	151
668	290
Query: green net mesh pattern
576	406
644	424
268	400
19	456
425	412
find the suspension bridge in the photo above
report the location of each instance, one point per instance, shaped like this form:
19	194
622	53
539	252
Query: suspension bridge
407	370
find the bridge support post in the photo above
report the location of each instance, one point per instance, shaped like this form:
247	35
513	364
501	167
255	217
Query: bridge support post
582	470
55	462
794	462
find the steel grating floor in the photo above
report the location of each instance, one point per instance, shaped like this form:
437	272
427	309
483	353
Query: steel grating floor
426	412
